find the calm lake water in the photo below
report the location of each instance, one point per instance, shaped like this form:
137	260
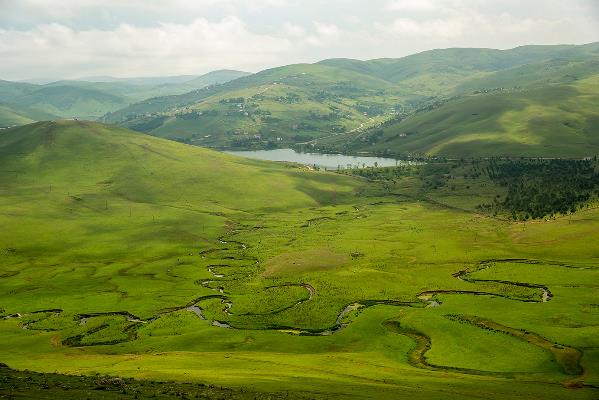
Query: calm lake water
328	161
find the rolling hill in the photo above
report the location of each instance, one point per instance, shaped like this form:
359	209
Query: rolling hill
553	120
92	99
340	98
438	72
297	102
70	101
12	116
10	90
139	89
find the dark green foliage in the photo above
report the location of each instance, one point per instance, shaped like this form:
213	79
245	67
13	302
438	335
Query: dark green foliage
523	189
541	188
149	123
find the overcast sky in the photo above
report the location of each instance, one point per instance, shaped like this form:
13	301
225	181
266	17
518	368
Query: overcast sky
77	38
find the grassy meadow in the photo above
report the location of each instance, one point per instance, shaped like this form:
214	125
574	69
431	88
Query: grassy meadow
127	255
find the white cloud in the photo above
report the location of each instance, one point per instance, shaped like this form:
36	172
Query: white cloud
324	34
69	38
130	50
294	30
413	5
500	24
443	29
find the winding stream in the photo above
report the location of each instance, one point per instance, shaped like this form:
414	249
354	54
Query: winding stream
567	357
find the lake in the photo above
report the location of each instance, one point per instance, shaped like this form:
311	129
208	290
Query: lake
327	161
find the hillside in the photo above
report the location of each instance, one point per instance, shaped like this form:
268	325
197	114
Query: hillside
70	101
13	116
53	149
555	120
139	89
92	99
116	168
10	90
208	78
292	103
300	103
438	72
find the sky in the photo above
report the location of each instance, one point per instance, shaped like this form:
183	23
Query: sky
56	39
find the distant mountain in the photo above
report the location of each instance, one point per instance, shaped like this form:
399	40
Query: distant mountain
90	100
70	101
11	90
341	98
214	78
152	80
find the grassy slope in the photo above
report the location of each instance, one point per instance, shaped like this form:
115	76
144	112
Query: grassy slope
11	116
553	121
459	64
338	92
301	101
119	167
99	219
9	90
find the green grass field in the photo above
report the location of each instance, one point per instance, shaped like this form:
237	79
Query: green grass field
133	256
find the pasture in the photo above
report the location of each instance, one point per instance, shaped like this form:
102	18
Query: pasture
128	255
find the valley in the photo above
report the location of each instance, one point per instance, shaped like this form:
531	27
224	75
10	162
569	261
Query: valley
139	257
299	200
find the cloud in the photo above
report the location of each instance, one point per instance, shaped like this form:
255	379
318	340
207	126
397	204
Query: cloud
294	30
129	50
439	28
413	5
480	23
70	38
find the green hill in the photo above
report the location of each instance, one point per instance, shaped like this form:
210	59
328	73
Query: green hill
11	115
341	98
442	71
10	90
282	105
139	89
85	167
71	101
90	100
130	166
556	120
212	78
209	78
